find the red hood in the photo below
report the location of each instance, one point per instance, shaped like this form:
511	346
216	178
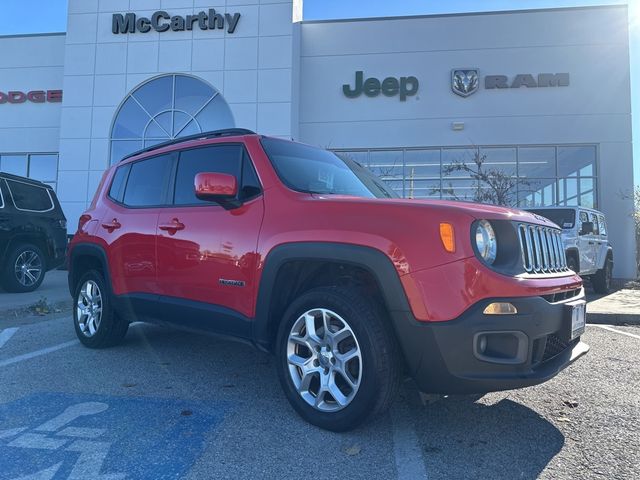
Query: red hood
475	210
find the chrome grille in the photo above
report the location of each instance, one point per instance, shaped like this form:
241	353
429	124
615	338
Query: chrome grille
542	250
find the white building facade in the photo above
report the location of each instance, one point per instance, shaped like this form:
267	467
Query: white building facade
536	101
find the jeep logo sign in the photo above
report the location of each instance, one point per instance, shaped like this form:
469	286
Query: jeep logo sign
161	21
389	87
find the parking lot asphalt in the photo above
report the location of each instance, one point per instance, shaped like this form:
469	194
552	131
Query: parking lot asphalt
170	404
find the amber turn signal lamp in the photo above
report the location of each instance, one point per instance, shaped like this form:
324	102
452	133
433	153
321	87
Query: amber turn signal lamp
448	237
500	308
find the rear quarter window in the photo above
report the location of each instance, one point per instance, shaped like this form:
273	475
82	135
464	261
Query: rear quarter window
30	197
116	191
603	226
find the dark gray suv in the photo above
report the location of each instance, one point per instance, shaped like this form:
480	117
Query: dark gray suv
33	232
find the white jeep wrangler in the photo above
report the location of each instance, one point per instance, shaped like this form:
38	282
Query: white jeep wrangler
584	234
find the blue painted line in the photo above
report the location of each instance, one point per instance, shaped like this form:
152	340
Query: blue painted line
71	436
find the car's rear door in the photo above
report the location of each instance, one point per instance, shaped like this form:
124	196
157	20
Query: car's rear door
600	235
129	225
207	255
586	245
5	218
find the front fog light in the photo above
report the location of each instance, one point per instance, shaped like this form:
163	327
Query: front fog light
500	308
486	242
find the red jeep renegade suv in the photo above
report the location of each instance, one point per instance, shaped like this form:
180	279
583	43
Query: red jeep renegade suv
311	257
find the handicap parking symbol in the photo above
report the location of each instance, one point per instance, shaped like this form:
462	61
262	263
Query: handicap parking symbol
81	437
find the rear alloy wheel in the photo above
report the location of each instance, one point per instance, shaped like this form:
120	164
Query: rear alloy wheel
97	325
338	359
89	308
601	281
24	269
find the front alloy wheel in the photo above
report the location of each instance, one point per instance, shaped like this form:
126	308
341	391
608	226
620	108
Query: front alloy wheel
325	362
338	359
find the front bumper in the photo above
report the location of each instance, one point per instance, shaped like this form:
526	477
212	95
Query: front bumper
443	357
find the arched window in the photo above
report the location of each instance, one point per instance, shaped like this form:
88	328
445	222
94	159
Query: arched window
165	108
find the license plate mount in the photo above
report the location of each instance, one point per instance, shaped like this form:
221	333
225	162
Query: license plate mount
575	319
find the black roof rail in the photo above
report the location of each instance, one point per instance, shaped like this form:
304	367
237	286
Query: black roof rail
228	132
19	178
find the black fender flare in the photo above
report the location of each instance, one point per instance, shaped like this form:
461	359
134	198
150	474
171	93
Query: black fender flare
574	251
371	259
87	250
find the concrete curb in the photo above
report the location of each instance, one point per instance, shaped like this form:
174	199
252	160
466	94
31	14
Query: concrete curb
613	318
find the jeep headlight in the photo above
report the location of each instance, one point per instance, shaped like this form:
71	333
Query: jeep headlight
486	242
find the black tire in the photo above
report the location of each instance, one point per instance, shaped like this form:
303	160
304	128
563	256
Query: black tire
22	281
601	280
111	329
380	372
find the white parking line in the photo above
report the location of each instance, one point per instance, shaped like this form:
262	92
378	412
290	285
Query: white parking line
607	327
406	448
6	334
37	353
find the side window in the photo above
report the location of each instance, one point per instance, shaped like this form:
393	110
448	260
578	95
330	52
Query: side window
1	194
147	182
215	159
603	226
583	218
116	191
30	197
594	219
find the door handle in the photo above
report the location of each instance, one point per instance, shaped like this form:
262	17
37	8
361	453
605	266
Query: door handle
172	227
112	225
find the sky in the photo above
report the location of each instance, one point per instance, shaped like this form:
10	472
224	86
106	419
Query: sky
51	15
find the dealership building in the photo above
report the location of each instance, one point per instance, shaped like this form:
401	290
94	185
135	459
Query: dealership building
537	101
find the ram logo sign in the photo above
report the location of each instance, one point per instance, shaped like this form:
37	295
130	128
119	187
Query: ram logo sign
465	81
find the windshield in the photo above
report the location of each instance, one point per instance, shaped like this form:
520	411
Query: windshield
312	170
564	218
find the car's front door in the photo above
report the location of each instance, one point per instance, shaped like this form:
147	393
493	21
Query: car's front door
586	245
207	254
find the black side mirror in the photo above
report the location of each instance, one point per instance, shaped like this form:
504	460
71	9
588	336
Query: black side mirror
587	228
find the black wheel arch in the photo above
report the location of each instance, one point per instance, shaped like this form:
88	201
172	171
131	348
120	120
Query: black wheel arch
84	257
375	262
38	239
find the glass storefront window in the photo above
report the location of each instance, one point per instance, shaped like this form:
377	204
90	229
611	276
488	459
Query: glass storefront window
524	176
43	167
501	161
573	160
39	166
387	164
165	108
537	162
456	162
14	164
422	164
